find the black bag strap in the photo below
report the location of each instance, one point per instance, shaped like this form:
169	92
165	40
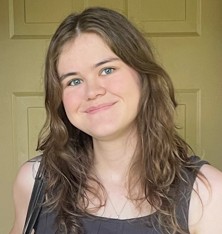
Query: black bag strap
35	204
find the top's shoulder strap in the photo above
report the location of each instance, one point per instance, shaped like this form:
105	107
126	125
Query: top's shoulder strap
37	198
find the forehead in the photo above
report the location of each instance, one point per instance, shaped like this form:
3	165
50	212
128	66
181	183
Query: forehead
85	42
87	48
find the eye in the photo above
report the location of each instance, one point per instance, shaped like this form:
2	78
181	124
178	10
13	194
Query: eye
75	82
107	71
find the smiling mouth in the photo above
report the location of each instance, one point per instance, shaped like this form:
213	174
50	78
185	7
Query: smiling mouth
102	107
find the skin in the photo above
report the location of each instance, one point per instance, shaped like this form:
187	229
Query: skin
97	96
22	190
95	89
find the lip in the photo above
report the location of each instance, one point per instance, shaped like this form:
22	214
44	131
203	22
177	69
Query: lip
101	107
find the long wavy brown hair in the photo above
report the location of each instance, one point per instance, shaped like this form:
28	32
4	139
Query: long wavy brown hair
161	155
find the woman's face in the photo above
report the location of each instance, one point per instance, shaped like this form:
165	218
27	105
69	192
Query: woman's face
100	92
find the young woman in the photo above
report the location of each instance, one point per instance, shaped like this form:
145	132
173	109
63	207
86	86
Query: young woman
112	159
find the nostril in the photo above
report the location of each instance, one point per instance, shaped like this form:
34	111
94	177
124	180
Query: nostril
94	90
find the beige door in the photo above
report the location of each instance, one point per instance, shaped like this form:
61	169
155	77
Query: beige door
188	38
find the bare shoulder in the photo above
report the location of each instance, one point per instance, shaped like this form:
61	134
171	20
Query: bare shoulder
206	202
22	190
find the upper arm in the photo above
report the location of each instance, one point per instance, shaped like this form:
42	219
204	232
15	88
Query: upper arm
205	215
22	190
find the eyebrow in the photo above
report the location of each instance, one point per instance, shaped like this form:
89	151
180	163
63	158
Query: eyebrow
106	61
96	65
61	78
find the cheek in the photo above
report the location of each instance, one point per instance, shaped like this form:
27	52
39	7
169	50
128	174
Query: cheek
128	85
70	101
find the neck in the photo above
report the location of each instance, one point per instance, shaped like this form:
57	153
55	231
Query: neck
113	158
112	162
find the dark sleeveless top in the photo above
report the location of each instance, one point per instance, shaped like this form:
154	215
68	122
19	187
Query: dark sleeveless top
46	223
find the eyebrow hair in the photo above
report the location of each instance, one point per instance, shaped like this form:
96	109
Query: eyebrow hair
106	61
61	78
96	65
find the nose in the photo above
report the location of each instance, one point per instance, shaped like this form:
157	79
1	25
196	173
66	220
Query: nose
95	89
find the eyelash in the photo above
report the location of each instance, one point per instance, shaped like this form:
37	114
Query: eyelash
110	69
70	83
73	81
